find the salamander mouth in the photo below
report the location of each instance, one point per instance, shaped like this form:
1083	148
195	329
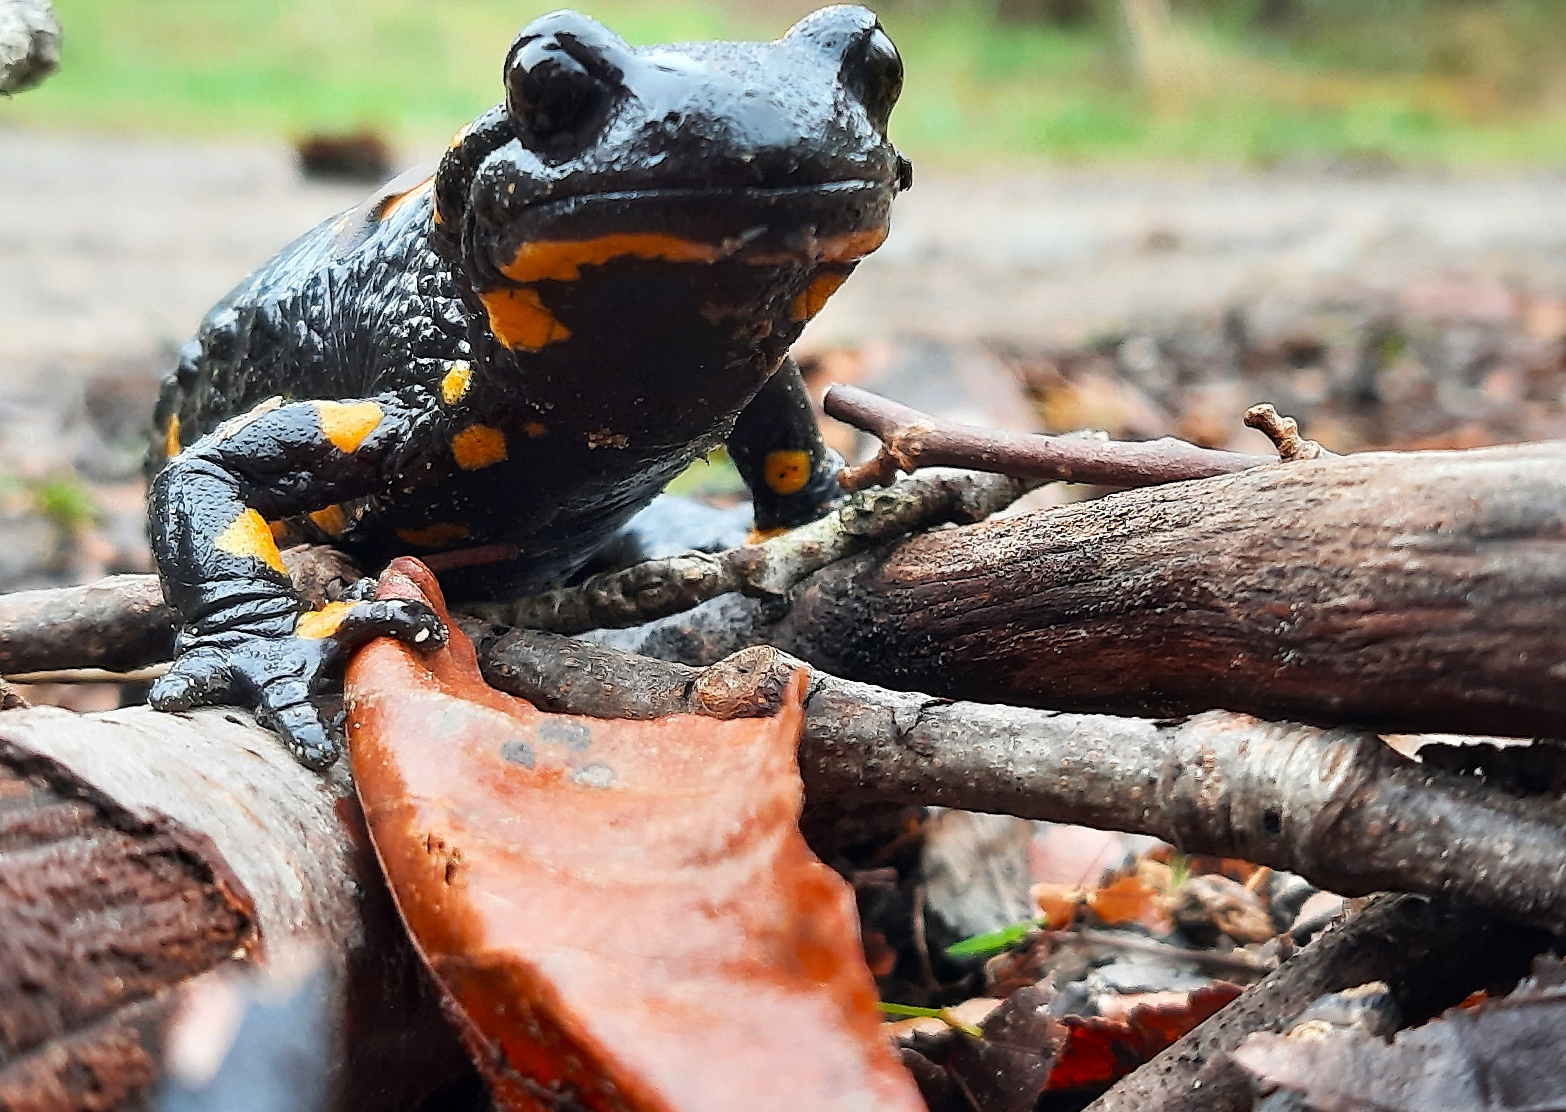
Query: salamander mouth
831	222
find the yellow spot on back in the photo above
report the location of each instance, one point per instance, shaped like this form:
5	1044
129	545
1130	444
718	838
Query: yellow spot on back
391	204
456	382
814	296
171	437
563	259
519	320
331	521
478	446
313	625
438	535
347	424
786	470
535	429
249	535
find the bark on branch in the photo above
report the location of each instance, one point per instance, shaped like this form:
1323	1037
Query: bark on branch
911	439
141	851
1339	807
1418	591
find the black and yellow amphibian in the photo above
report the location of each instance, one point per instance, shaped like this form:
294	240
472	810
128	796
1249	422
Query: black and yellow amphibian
597	285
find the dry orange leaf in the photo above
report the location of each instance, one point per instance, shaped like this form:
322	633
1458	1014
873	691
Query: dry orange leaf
1129	900
619	910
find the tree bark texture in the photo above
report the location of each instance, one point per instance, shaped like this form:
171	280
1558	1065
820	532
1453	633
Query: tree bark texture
139	850
1338	806
1421	591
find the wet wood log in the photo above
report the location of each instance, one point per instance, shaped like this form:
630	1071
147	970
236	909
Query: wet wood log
1418	591
140	852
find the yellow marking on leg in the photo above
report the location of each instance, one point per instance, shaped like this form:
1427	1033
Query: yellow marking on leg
563	259
230	428
760	536
346	425
535	429
455	384
439	535
171	437
786	470
331	520
313	625
478	446
519	320
814	296
249	535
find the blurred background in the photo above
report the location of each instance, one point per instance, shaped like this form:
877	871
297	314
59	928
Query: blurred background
1135	215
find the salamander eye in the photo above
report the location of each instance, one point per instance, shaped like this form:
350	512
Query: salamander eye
558	92
874	73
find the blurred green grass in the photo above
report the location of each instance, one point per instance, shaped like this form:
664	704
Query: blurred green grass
1408	82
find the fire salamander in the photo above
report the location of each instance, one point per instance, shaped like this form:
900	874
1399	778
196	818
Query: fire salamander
598	284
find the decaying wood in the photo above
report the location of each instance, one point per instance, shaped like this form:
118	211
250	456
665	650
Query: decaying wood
139	849
1339	807
106	912
911	439
1432	953
1417	591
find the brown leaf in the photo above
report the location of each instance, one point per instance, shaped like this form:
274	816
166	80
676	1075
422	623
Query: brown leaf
1005	1070
620	911
1501	1055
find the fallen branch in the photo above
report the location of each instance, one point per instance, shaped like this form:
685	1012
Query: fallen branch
911	439
121	623
1432	952
1406	591
767	571
1338	807
1409	592
142	849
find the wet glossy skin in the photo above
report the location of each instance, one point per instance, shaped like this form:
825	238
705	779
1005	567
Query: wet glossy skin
599	284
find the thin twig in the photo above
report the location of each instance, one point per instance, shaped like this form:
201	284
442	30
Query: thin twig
659	588
89	675
1284	432
1231	962
911	439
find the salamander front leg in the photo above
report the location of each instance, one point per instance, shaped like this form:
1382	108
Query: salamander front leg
777	446
245	637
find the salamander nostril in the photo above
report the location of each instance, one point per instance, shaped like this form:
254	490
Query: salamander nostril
558	92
